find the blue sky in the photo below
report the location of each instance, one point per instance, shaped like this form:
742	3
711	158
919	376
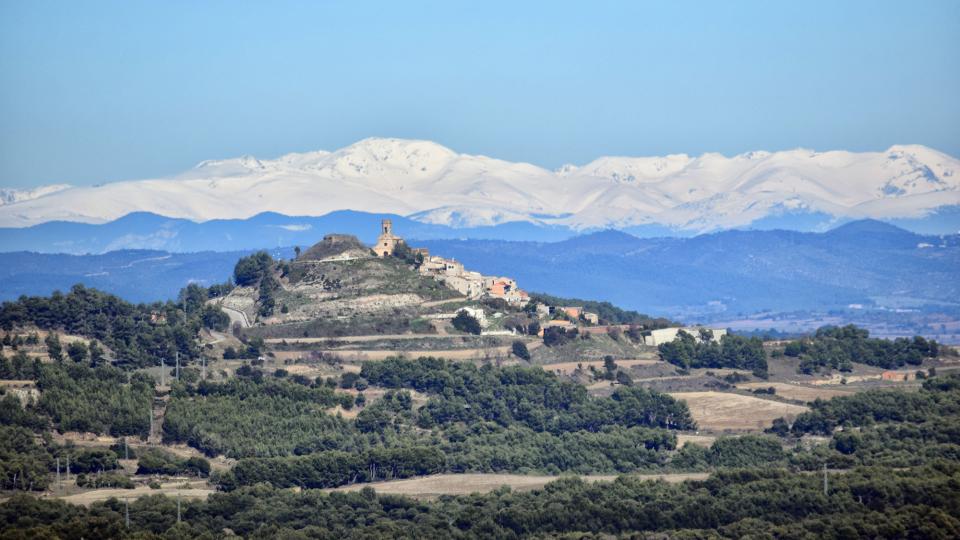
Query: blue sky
93	92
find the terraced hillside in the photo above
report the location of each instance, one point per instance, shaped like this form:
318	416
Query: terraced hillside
337	287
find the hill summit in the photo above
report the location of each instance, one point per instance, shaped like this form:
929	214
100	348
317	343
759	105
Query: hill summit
336	246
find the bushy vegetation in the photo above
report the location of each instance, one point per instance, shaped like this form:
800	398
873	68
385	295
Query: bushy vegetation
248	416
607	312
865	503
139	335
488	447
939	398
336	468
158	461
251	269
100	400
465	322
108	480
839	347
557	336
24	464
733	351
462	392
519	349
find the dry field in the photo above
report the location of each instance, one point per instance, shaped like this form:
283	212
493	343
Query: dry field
701	440
181	450
196	490
798	392
566	368
351	339
720	411
456	354
465	484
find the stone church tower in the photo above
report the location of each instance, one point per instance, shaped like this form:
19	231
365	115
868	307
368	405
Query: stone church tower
387	241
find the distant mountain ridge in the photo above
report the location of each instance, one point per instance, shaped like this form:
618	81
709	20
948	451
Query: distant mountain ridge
144	230
866	263
431	184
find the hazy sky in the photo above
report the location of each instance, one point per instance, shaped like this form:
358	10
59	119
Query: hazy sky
93	92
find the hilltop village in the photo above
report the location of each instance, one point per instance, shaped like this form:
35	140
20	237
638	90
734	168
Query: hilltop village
451	273
339	278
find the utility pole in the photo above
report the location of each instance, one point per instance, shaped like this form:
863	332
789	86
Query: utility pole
68	468
126	448
163	375
59	483
126	503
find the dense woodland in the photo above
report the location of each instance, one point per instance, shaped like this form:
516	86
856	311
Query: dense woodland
920	502
138	335
462	392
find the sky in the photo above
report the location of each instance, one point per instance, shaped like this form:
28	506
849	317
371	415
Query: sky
94	92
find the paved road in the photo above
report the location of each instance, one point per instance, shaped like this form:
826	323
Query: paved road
236	316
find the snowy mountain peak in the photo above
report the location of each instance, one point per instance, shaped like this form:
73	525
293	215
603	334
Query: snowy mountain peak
11	196
380	157
431	183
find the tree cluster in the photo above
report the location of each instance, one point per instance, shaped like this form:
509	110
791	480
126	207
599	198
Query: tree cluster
839	347
687	351
606	312
878	502
139	335
462	392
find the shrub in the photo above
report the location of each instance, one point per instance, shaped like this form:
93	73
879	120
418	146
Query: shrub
520	350
466	323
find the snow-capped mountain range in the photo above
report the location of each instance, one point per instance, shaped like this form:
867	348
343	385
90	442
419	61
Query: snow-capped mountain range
433	184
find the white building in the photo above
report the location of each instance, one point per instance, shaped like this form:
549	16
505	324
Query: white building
666	335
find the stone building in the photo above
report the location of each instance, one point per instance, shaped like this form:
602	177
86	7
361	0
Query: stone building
387	240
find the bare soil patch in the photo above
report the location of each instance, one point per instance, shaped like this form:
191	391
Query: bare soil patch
566	368
196	490
797	392
721	411
700	440
485	353
465	484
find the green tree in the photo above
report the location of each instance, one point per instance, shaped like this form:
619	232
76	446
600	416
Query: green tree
250	270
77	351
466	323
96	354
214	318
520	350
54	348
